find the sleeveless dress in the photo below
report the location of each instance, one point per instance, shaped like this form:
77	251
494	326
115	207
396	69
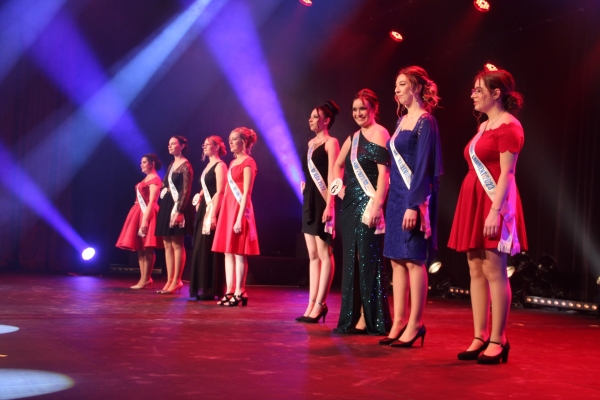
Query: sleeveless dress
313	204
420	149
363	274
473	202
207	267
226	241
182	179
129	238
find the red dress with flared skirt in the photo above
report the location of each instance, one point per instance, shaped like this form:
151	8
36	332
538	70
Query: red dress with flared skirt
474	204
226	241
129	238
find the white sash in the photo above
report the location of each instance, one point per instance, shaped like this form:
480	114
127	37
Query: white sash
322	186
175	195
209	204
406	174
140	199
248	212
366	186
509	241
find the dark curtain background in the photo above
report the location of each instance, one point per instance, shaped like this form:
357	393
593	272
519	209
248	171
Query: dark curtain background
330	50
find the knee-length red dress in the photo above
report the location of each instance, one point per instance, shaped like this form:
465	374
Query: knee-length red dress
474	204
226	241
129	238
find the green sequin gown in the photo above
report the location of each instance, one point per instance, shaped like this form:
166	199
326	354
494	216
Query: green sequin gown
363	274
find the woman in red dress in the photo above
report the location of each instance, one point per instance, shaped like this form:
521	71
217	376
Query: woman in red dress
138	232
235	234
488	223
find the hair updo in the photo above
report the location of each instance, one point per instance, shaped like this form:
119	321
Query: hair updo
182	141
219	142
428	93
329	110
367	95
153	158
248	136
512	101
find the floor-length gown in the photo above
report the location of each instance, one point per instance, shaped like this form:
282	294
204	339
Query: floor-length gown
363	275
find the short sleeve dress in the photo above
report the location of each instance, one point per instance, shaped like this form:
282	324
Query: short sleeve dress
226	241
421	151
129	238
182	179
313	204
474	204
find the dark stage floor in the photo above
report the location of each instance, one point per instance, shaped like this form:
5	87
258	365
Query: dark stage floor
106	341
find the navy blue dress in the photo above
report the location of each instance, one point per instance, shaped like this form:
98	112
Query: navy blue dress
420	149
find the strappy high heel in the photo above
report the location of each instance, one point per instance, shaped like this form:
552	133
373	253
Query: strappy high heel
299	319
237	299
322	313
471	355
177	289
503	355
420	334
389	340
225	300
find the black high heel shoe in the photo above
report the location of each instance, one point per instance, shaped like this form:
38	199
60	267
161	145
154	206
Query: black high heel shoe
471	355
299	319
420	334
503	355
322	313
389	340
237	299
225	300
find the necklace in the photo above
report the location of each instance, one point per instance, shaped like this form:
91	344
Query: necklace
489	125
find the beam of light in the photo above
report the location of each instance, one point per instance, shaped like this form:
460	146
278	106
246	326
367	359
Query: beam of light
233	40
20	383
21	22
107	107
16	181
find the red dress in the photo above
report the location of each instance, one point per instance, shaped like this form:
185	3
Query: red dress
474	204
129	239
226	241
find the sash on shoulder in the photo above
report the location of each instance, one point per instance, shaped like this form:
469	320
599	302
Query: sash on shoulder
249	211
366	186
406	175
322	186
509	241
140	198
209	204
175	195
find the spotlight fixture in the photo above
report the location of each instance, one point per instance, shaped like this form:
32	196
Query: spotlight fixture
490	67
435	266
396	36
306	3
482	5
510	270
598	281
88	254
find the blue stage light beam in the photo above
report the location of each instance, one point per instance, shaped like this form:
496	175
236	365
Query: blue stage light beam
233	40
22	21
17	182
105	109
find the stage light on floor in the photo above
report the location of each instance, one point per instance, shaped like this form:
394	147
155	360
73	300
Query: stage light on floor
510	270
88	254
8	329
490	67
558	303
20	383
396	36
307	3
482	5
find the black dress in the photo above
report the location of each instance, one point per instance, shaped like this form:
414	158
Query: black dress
363	274
207	267
314	204
182	179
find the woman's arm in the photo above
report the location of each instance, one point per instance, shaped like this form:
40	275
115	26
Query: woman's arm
248	183
220	173
380	137
508	162
154	190
338	165
332	147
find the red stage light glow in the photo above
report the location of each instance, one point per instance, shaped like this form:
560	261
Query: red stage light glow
490	67
307	3
482	5
396	36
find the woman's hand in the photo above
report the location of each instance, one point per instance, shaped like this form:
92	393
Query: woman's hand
375	217
176	220
410	219
328	213
237	227
213	223
492	225
144	227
